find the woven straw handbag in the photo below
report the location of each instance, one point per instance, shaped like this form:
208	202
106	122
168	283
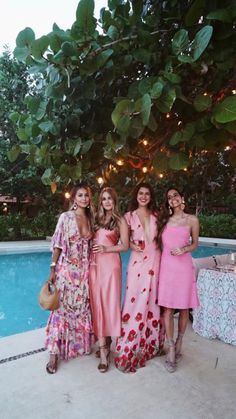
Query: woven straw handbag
49	297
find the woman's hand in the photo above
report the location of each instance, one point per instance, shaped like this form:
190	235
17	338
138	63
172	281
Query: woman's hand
52	276
99	248
135	247
178	251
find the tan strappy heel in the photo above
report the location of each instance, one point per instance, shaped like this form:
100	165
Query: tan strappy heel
101	366
170	362
178	346
108	344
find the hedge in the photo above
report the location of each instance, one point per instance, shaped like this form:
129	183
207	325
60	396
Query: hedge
221	225
20	227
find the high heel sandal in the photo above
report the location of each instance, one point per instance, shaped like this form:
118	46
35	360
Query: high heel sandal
52	365
178	345
108	344
170	364
101	366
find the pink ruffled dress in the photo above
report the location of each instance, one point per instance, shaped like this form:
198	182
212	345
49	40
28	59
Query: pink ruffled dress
142	333
69	329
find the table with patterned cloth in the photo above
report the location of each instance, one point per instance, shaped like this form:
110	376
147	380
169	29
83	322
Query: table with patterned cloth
216	315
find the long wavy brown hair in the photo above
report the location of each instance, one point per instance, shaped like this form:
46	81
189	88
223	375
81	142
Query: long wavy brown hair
113	223
90	210
134	203
164	216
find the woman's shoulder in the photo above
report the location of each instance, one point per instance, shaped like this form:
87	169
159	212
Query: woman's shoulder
66	215
129	216
192	219
122	220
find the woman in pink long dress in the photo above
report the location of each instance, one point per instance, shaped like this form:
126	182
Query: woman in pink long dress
110	239
177	237
69	328
142	335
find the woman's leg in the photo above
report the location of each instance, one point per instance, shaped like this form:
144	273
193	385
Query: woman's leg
104	354
182	325
169	326
52	365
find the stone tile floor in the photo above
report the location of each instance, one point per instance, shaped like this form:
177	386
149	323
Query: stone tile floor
203	387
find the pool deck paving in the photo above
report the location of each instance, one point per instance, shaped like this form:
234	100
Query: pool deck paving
203	387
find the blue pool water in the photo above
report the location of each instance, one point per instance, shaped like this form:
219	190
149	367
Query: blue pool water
21	277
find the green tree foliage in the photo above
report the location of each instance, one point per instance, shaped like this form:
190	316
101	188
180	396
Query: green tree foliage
17	178
163	71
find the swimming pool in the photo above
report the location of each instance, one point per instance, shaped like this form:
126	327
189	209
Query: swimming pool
21	277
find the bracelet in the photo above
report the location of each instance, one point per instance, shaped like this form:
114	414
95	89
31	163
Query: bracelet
53	265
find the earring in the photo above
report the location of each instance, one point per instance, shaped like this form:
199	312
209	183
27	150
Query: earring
170	210
183	204
75	206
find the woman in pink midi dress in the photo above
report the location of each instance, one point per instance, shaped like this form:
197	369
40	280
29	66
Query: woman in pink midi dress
177	283
111	237
142	335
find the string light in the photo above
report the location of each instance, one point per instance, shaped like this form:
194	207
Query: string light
234	91
144	169
168	115
185	169
145	142
205	94
120	162
100	180
227	148
161	175
67	195
179	123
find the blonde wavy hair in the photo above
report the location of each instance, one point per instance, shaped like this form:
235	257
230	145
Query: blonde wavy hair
101	212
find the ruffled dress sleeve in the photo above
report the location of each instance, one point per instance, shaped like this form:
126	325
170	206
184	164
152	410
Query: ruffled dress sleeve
60	237
127	216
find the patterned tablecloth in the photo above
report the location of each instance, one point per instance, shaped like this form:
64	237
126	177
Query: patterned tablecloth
216	316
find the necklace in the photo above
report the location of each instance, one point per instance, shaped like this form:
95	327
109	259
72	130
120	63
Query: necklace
176	217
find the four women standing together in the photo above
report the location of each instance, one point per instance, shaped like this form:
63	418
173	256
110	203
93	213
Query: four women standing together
86	269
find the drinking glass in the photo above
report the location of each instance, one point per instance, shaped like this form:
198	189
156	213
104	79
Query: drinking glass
141	243
93	255
232	259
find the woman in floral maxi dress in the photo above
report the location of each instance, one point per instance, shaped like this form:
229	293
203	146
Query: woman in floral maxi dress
69	328
142	334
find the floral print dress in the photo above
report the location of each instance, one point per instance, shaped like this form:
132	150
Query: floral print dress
69	329
142	333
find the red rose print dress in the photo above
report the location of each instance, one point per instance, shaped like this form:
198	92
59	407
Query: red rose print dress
142	333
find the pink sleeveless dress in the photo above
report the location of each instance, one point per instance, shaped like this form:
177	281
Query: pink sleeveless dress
177	282
105	287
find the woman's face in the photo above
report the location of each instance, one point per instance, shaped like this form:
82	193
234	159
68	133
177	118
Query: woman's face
174	198
82	198
143	197
107	201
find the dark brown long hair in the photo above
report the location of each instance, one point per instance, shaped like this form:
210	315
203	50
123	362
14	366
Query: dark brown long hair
164	215
89	211
101	213
134	203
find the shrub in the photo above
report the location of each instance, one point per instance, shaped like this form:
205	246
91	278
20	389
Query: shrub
221	225
20	227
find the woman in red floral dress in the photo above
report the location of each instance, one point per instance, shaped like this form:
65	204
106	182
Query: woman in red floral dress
142	333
